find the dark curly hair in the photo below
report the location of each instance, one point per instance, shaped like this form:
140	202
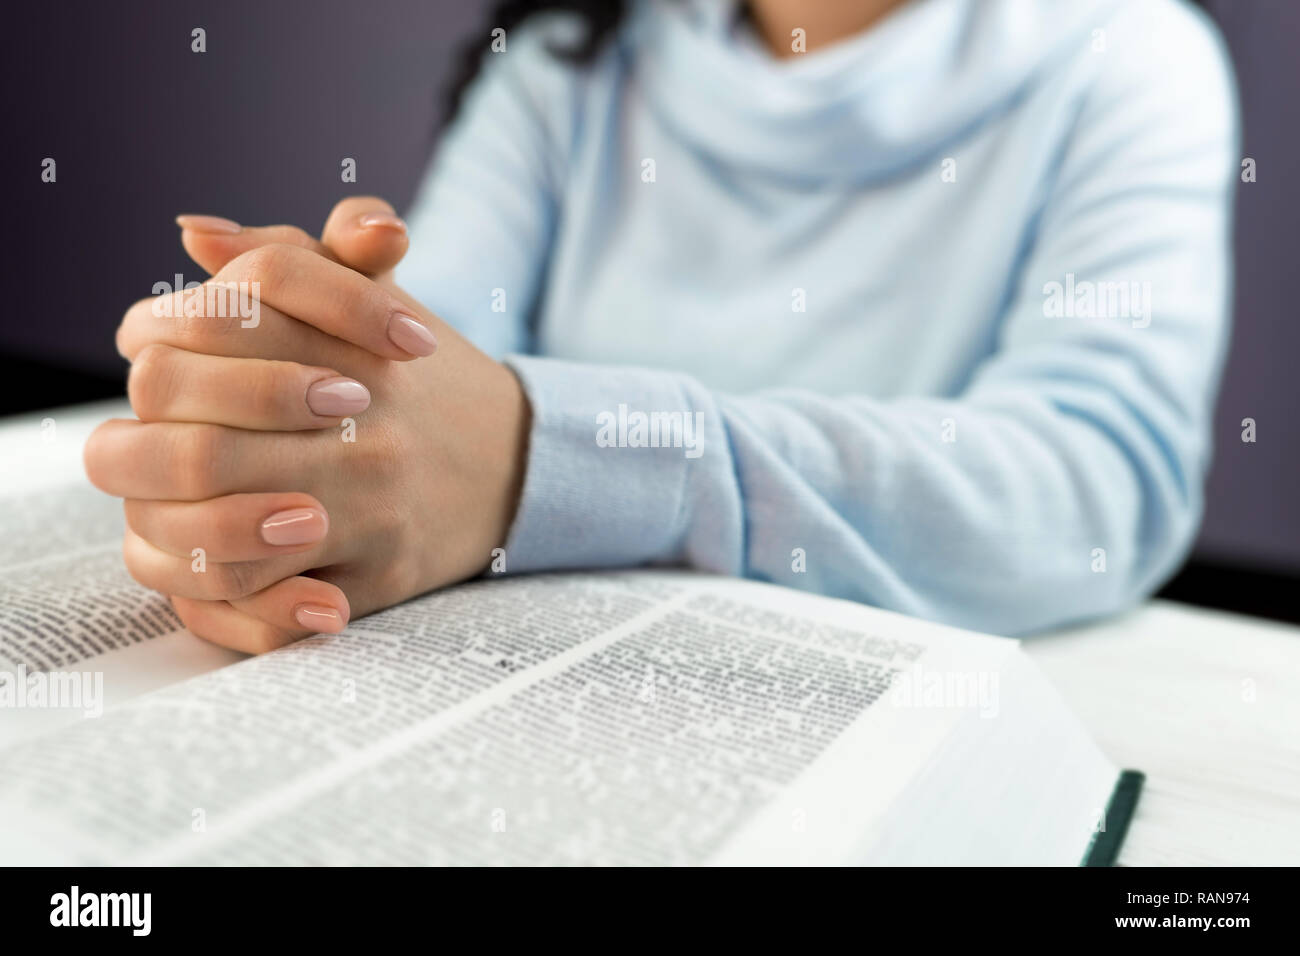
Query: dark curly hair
600	17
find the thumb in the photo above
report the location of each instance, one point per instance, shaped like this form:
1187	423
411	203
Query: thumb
365	234
212	241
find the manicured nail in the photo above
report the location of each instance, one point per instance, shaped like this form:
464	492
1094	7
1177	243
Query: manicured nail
333	397
295	526
317	617
410	336
212	225
384	220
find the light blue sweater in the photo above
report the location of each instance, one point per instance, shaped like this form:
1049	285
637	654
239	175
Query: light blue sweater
947	301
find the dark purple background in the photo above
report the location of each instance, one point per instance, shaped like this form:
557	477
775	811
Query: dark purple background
255	129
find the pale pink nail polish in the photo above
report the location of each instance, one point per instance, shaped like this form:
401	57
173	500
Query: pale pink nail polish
410	336
212	225
317	617
295	526
333	397
384	220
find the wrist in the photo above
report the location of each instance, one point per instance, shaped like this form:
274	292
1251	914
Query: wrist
517	422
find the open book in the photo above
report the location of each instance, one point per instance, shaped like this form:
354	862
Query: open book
649	717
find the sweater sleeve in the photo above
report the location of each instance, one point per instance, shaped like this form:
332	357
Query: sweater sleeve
482	224
1063	482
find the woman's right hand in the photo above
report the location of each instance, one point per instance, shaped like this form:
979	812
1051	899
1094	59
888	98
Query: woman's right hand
362	233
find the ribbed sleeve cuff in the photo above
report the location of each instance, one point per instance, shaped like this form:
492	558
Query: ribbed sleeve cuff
595	493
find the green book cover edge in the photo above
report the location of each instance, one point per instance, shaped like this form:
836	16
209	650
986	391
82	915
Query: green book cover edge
1105	844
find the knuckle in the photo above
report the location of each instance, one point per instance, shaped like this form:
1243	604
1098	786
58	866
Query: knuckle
92	459
96	456
296	236
191	621
139	309
139	517
203	629
215	629
233	528
263	637
197	458
135	324
266	265
397	581
150	385
275	390
142	572
234	580
135	312
227	529
369	299
389	581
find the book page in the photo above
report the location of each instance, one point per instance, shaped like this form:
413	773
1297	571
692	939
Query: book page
77	634
832	813
43	449
609	718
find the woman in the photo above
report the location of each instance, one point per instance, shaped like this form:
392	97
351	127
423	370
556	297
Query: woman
921	304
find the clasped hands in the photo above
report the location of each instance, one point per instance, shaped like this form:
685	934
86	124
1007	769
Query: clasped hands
251	500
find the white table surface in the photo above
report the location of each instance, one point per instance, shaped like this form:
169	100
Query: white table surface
1205	703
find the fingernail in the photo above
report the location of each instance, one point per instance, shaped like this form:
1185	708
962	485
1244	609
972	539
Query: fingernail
338	396
295	526
212	225
410	336
385	220
317	617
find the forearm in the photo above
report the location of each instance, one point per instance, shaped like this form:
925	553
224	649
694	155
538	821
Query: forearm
1009	509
